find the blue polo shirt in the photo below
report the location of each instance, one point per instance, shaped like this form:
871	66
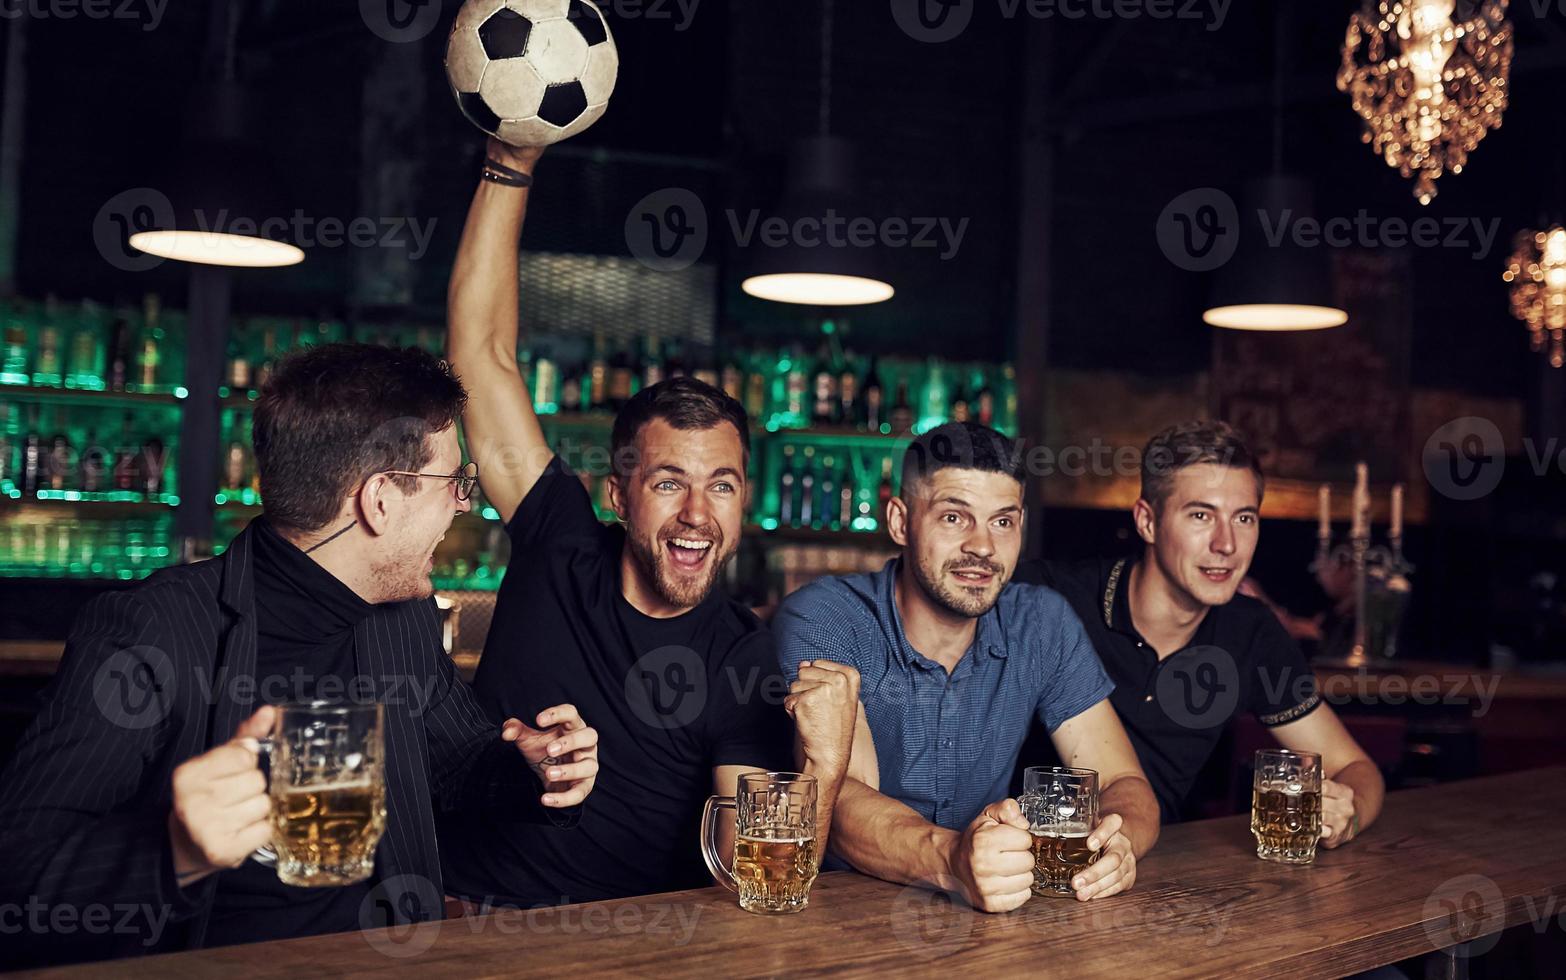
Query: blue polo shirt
947	744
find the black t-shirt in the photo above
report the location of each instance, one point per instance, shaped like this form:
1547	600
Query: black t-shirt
670	699
305	619
1176	709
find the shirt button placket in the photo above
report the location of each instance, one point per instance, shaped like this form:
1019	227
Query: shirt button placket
946	758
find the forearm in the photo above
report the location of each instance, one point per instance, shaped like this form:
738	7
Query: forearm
887	839
1132	797
829	786
482	301
1370	790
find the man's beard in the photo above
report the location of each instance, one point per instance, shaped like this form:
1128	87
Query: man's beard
959	601
677	591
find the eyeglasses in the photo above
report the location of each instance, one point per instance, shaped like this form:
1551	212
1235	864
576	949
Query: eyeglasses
465	478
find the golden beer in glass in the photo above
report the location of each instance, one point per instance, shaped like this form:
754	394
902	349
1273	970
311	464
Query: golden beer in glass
775	841
1061	807
1286	805
328	790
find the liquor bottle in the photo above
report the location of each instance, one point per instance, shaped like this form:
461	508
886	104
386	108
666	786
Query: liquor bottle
570	390
13	366
794	388
238	373
6	447
826	508
155	457
807	489
1007	408
82	368
32	454
546	381
884	493
234	466
936	406
151	338
733	381
117	375
652	367
598	373
127	465
960	410
786	489
902	416
268	355
61	460
756	396
845	503
847	392
621	377
93	464
986	406
870	417
46	366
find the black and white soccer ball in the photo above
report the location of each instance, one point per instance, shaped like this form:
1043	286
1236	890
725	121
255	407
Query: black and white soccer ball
531	72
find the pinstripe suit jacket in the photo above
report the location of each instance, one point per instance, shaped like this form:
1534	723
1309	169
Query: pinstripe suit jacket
163	672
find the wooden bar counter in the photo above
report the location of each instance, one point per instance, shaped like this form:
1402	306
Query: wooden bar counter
1445	864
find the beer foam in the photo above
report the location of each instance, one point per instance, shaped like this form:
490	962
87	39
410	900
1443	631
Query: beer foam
330	787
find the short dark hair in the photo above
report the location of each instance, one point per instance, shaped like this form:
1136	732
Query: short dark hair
332	416
960	445
685	403
1192	443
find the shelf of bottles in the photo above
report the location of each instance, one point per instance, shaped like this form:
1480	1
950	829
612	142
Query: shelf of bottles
90	407
89	424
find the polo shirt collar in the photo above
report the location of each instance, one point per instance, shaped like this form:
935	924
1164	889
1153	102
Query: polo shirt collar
989	636
1115	606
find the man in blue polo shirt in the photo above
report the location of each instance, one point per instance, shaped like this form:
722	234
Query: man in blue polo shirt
956	664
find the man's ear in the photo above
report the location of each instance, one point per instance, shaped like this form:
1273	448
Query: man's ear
897	521
375	501
1146	520
617	496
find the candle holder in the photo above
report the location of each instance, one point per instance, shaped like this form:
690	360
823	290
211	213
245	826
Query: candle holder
1388	568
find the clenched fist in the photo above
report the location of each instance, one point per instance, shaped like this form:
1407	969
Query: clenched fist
221	810
824	703
992	859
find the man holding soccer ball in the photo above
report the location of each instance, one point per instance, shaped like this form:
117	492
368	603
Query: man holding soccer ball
681	681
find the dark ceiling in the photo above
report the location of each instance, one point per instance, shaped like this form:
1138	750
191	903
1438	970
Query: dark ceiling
1139	110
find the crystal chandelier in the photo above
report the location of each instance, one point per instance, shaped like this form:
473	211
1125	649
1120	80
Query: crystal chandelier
1537	273
1428	88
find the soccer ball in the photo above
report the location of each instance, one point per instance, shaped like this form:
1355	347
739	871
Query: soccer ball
531	72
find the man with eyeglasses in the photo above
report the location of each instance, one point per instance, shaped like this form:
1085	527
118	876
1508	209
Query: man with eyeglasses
138	784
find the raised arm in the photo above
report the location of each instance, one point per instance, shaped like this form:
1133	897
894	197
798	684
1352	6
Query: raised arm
503	433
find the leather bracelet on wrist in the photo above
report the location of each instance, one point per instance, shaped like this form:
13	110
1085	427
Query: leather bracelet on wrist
499	173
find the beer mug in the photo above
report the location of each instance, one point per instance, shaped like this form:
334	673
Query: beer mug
1061	807
1286	805
328	789
774	843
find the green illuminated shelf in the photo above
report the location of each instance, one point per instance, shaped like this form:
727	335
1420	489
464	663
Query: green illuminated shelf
48	395
100	504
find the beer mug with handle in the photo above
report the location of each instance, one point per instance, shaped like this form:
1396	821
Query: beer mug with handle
774	843
328	789
1286	805
1061	807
